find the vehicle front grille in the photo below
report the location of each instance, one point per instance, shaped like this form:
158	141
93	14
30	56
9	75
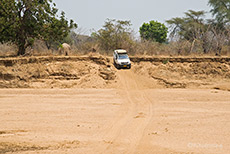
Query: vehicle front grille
124	63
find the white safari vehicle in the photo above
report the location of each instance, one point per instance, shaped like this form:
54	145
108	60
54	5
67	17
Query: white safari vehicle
121	59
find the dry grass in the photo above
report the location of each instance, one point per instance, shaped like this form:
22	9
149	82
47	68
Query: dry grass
146	48
180	48
7	50
10	147
6	147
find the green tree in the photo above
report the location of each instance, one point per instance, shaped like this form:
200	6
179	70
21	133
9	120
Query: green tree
189	27
220	24
22	21
154	31
113	34
56	31
221	10
192	28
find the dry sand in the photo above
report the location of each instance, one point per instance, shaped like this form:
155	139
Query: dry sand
126	111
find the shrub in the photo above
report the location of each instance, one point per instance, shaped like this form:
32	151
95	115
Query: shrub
154	31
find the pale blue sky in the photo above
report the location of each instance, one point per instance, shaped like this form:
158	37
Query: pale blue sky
91	14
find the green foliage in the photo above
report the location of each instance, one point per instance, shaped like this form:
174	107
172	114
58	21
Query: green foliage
192	28
22	21
154	31
209	34
220	25
113	34
57	31
165	61
189	27
221	10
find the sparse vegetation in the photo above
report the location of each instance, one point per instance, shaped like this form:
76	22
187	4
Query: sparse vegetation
41	34
115	34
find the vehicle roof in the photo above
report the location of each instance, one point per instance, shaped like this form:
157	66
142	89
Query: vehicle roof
122	51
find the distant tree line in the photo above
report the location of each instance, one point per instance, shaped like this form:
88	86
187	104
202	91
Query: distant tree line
23	21
210	34
193	32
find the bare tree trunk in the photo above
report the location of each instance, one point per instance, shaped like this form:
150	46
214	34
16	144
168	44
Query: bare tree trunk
219	51
193	42
48	45
21	47
21	51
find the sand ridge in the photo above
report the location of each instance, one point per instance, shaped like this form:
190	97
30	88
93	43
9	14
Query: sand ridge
96	71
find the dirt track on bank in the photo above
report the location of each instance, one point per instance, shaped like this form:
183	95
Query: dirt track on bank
98	72
117	111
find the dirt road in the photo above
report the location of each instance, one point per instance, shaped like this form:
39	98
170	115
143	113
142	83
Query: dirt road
129	119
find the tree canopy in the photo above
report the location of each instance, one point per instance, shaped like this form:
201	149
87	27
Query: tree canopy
22	21
154	31
189	27
113	34
56	30
210	34
221	10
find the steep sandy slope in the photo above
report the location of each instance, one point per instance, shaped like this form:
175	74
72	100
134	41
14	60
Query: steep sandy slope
98	72
58	72
187	74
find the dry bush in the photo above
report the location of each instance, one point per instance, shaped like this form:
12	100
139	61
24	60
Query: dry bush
8	50
141	48
39	48
148	48
153	48
226	50
85	48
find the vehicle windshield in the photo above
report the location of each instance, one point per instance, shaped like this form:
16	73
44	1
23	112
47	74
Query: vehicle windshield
123	56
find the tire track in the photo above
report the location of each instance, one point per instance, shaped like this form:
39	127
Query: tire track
127	131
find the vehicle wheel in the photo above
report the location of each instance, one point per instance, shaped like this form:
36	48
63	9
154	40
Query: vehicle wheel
116	65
